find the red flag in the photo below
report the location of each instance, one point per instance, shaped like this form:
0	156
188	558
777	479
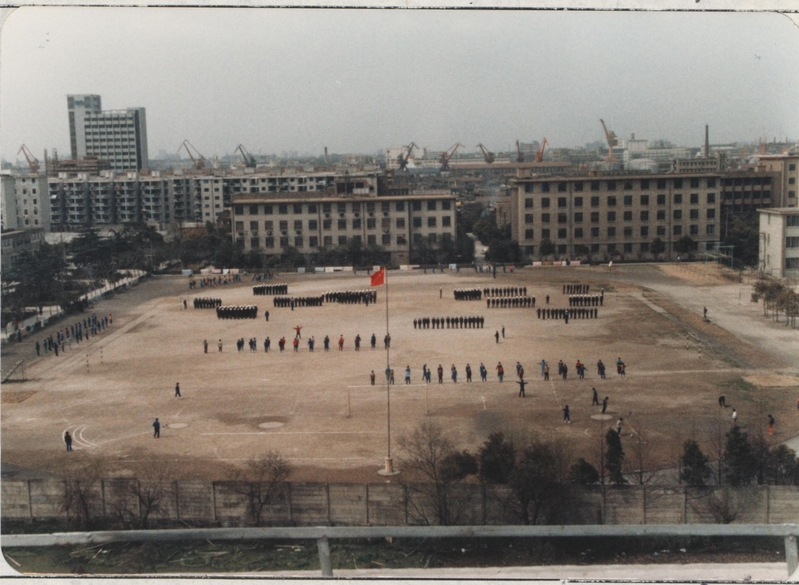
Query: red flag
379	277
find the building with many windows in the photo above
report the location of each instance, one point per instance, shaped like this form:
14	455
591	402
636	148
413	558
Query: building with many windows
788	167
271	222
15	242
779	242
118	136
614	214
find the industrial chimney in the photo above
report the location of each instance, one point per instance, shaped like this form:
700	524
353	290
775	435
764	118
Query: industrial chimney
707	142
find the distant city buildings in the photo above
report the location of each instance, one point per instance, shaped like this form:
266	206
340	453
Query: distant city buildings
118	136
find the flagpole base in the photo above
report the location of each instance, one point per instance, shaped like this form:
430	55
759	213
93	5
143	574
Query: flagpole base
389	468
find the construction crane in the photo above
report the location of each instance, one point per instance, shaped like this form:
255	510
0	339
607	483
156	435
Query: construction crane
249	160
539	154
519	153
610	136
445	157
403	157
199	160
33	162
489	156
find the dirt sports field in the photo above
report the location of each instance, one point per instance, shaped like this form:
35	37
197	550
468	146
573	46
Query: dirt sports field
237	405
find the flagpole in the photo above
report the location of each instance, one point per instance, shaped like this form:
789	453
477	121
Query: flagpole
389	467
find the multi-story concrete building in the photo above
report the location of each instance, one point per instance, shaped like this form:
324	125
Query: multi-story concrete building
15	242
8	202
612	214
779	242
25	202
271	222
118	136
745	191
788	166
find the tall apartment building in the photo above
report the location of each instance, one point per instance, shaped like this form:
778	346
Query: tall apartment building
25	203
308	221
614	213
118	136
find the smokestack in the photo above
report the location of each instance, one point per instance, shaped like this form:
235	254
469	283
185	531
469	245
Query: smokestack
707	142
325	153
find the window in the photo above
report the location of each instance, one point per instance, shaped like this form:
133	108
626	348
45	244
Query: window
431	206
611	232
545	187
297	224
562	188
269	242
298	242
356	223
628	248
792	167
528	187
400	222
628	200
594	217
792	242
417	238
401	205
644	231
661	184
594	248
284	225
694	214
417	205
677	214
431	238
284	242
528	234
312	208
528	203
563	218
561	248
791	263
578	218
661	230
372	239
792	180
711	214
268	209
694	183
594	185
792	220
628	186
313	224
544	234
283	209
545	202
611	216
238	209
298	210
431	222
253	210
254	226
710	229
342	240
677	230
562	202
678	183
341	224
385	223
341	207
644	199
611	186
694	198
371	223
644	183
677	198
402	240
578	232
594	201
269	224
385	207
417	222
661	200
711	197
661	215
711	183
446	221
628	216
528	218
326	208
628	232
644	216
645	247
544	218
611	202
562	233
327	224
313	242
370	206
254	242
578	201
594	232
693	229
578	186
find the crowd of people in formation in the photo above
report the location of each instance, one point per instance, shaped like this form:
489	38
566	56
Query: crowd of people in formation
510	302
270	289
237	312
468	294
295	343
581	369
449	323
268	275
214	281
77	332
587	300
207	303
576	289
566	314
351	297
298	301
506	291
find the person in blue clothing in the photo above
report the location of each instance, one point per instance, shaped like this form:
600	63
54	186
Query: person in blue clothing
156	429
483	372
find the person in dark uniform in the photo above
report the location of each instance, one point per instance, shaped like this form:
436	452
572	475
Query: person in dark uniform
177	390
156	429
595	399
521	384
68	441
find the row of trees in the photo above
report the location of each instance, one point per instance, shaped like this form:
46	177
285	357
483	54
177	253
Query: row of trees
777	299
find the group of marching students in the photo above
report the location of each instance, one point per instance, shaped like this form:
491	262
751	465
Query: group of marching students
566	314
576	289
270	289
510	302
587	300
61	339
237	312
468	294
298	301
351	297
507	291
207	303
449	323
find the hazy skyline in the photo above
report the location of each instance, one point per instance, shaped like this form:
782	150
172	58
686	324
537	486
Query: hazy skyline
362	80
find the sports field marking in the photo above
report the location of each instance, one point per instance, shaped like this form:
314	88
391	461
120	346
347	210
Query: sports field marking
303	433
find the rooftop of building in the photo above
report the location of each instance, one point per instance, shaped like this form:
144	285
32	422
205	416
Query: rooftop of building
245	198
781	210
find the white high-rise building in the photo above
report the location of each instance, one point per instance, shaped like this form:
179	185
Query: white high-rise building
118	136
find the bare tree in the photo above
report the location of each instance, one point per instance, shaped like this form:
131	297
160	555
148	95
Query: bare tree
137	500
259	481
81	484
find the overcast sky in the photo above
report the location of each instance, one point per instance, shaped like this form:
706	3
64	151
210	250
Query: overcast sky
362	80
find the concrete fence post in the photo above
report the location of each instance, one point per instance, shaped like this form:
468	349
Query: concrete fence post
324	557
791	554
367	504
30	500
213	502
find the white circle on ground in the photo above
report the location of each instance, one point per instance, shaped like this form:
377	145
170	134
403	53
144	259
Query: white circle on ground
271	425
178	425
601	416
